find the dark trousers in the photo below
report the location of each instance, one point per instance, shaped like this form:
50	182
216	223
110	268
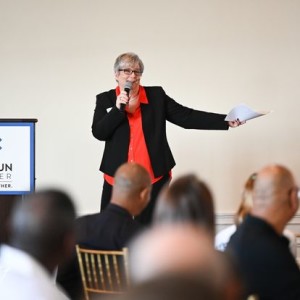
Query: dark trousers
145	217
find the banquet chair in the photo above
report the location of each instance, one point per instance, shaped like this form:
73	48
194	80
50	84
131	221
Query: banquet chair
102	271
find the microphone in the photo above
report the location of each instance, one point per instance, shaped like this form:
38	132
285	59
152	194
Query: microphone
127	88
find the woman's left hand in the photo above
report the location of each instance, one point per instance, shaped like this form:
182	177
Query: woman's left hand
235	123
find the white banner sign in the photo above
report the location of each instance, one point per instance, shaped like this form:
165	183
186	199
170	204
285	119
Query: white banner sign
16	158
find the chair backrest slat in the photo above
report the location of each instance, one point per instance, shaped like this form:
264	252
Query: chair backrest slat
107	267
117	272
100	267
94	273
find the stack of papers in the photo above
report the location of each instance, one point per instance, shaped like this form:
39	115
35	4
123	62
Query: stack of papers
244	113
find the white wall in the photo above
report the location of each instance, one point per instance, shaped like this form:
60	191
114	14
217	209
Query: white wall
56	55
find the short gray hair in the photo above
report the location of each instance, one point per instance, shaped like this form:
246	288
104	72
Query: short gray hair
128	59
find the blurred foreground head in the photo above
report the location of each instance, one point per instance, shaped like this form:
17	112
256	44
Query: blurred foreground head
187	199
181	249
43	226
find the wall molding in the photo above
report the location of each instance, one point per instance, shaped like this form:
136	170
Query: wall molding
227	219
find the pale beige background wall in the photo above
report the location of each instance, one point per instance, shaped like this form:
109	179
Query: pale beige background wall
56	55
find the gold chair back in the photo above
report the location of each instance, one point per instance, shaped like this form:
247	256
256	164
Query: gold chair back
102	271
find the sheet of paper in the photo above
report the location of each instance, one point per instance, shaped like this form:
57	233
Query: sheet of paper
244	113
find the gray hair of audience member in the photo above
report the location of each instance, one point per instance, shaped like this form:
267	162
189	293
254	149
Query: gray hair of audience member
128	60
41	222
187	199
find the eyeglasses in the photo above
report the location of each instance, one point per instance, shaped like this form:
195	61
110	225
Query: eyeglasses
129	72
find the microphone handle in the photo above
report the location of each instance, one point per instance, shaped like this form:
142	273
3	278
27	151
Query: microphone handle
122	106
127	90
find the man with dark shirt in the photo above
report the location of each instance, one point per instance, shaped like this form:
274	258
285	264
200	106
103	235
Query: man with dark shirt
112	228
269	269
115	226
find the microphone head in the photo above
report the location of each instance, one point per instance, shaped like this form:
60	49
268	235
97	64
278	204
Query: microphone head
128	85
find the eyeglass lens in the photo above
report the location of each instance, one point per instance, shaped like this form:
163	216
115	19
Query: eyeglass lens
129	72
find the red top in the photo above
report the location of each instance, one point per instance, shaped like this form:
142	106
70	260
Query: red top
137	151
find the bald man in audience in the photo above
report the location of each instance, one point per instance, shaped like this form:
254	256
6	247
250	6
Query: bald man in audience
112	228
181	249
259	247
41	236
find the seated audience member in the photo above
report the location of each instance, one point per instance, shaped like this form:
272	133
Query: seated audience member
187	199
181	249
112	228
41	235
223	236
261	251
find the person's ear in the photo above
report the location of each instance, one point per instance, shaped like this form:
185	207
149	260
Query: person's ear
293	200
145	195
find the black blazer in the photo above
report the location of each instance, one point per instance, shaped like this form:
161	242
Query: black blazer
112	127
